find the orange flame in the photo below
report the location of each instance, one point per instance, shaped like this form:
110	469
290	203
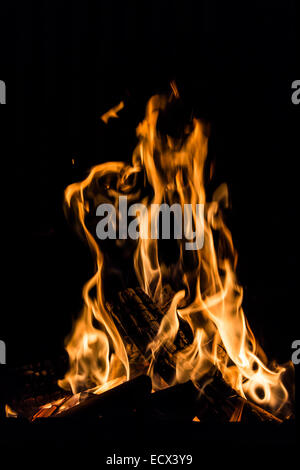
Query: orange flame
208	295
112	113
9	412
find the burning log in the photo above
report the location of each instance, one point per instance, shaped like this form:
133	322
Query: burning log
126	396
211	400
219	402
138	320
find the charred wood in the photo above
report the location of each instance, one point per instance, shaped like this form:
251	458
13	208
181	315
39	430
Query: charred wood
127	396
138	320
210	400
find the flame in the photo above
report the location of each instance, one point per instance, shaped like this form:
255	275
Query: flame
90	347
9	412
174	89
207	296
237	414
112	113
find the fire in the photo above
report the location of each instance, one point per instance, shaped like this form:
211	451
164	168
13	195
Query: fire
9	412
207	296
112	113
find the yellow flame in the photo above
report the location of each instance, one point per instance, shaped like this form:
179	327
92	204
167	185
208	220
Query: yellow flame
112	113
209	297
9	412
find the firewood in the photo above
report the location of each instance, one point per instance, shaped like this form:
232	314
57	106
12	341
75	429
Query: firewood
127	396
210	400
178	402
138	320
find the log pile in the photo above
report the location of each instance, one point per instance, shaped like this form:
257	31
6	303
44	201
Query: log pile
138	320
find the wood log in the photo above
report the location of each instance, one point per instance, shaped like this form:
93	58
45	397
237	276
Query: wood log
210	400
138	320
219	401
127	396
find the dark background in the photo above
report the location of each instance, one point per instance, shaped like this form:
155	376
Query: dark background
65	64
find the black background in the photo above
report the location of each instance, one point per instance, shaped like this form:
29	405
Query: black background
65	63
